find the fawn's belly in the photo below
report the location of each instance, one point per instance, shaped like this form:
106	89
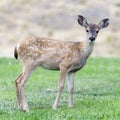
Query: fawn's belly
51	65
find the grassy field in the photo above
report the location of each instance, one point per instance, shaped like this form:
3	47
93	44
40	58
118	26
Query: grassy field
96	94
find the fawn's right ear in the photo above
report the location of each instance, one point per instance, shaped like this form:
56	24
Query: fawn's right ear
82	21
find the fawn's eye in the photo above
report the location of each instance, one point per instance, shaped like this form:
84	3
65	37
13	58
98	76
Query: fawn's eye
97	31
87	30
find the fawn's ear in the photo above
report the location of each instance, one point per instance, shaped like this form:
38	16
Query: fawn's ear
82	21
103	23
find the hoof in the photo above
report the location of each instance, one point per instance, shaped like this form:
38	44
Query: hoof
25	109
54	107
20	107
70	106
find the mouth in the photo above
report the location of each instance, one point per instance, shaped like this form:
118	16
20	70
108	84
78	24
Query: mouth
91	40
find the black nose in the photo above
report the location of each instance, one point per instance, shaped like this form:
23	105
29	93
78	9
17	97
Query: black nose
92	38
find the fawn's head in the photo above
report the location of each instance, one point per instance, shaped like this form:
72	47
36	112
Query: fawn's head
92	29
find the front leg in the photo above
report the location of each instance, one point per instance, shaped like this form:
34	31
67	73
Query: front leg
70	88
61	82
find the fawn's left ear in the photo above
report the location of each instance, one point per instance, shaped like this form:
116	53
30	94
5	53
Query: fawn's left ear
103	23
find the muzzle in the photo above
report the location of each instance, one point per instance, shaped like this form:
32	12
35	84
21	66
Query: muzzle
92	39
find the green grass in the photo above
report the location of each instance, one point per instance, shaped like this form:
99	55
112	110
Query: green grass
96	94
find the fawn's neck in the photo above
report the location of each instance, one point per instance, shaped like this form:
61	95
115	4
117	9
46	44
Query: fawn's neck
88	48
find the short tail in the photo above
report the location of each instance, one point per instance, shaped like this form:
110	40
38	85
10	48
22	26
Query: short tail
15	53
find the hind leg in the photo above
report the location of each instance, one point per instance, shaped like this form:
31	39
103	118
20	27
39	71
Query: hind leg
17	90
20	83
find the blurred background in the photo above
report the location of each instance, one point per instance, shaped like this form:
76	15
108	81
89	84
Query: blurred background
57	19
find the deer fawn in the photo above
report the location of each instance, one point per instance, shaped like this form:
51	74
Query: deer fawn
66	56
